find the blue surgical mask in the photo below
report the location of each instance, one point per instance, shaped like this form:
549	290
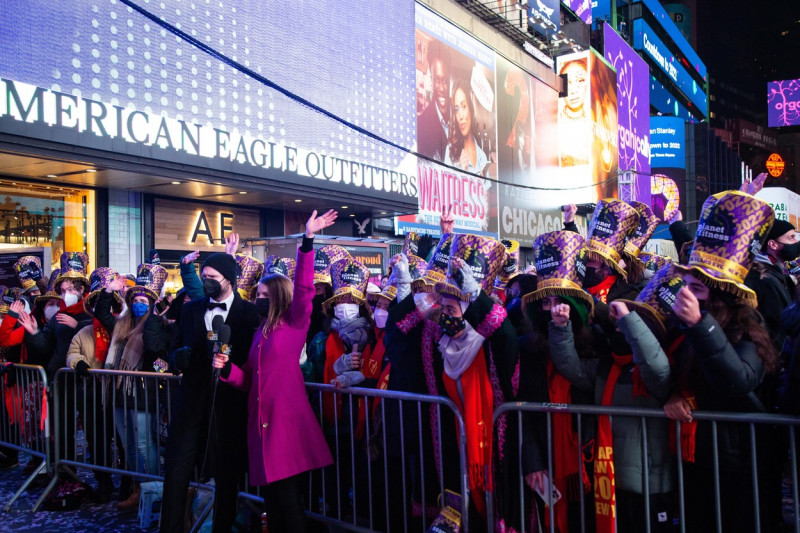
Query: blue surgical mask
139	309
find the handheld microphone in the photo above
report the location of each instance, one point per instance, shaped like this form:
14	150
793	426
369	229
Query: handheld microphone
216	323
222	345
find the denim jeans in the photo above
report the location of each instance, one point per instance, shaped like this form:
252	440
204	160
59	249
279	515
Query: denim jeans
137	430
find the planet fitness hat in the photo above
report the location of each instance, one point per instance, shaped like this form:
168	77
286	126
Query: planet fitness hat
557	255
613	220
436	272
483	255
510	266
74	265
648	222
149	281
655	301
99	280
730	233
29	271
323	259
250	271
349	277
281	265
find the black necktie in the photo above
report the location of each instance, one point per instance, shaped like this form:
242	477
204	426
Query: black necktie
214	305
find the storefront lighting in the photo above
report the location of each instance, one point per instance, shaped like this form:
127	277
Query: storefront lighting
298	200
383	212
242	192
176	182
52	175
352	215
91	170
344	207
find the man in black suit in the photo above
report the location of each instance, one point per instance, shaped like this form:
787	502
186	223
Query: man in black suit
226	458
433	123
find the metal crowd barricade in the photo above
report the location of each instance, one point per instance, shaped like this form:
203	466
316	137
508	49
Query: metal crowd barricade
365	489
25	426
89	417
515	412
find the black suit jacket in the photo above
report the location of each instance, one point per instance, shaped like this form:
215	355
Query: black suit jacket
193	405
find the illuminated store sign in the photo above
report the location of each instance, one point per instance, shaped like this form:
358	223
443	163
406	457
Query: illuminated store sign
644	38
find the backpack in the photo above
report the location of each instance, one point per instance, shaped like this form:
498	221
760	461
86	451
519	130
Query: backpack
67	495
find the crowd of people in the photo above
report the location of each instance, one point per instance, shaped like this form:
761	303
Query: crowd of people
595	321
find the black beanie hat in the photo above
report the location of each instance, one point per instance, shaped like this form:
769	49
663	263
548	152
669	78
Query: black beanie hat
223	263
779	228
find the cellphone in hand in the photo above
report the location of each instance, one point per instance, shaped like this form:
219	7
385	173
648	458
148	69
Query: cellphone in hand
550	488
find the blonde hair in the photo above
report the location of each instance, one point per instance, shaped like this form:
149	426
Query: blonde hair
280	298
128	324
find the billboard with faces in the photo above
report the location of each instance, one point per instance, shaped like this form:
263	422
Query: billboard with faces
633	108
587	130
456	118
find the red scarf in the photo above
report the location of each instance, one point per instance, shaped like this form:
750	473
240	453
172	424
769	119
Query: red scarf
334	349
371	368
600	291
688	429
102	341
565	448
478	410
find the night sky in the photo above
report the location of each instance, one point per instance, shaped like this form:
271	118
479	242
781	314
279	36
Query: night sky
748	43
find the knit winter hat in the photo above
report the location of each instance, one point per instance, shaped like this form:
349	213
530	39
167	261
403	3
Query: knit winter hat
223	263
779	227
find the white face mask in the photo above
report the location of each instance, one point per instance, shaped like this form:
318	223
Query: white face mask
380	317
50	311
346	311
422	302
27	306
70	299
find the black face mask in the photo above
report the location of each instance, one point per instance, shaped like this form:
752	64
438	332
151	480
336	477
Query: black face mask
593	276
514	310
452	325
790	252
262	304
618	344
212	288
541	319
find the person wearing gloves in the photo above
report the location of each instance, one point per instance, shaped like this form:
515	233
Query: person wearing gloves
349	340
209	419
720	365
470	355
283	436
636	374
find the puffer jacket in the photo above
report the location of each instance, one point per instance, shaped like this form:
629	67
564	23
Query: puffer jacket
774	289
655	372
723	377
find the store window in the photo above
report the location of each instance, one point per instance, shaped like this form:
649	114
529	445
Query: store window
46	220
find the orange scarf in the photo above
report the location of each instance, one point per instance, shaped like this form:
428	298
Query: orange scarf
600	291
371	368
478	409
334	349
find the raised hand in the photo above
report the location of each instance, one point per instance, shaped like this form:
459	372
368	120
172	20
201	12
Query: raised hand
687	308
231	243
316	223
191	257
560	314
447	221
67	320
117	285
569	213
752	187
17	307
28	323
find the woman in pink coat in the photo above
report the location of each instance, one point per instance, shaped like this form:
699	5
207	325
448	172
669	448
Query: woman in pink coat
283	436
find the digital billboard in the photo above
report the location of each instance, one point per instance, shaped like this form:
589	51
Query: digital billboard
675	34
544	16
581	8
587	130
666	103
644	38
527	153
456	126
633	106
668	164
783	103
601	10
109	78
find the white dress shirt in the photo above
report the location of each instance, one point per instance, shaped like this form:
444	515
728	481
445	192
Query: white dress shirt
211	313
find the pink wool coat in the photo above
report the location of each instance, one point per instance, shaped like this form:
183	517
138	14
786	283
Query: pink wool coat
283	436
